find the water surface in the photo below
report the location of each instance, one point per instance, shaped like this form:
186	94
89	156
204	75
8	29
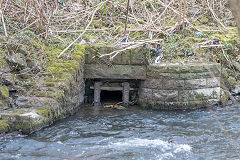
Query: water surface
99	134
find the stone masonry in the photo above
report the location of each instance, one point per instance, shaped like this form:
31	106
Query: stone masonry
176	86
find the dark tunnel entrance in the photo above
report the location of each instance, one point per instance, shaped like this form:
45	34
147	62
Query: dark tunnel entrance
105	91
111	96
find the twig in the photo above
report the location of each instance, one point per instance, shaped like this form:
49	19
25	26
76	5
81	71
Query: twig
125	29
76	31
179	14
3	22
214	15
137	44
94	12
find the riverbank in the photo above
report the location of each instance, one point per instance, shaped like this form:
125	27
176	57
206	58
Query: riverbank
33	97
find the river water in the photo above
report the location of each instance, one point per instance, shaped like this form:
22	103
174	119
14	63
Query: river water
99	134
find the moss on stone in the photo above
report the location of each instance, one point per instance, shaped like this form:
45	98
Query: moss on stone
224	97
4	126
4	91
145	106
63	68
45	112
3	103
199	97
50	93
4	67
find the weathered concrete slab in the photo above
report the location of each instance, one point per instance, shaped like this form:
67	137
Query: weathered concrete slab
101	71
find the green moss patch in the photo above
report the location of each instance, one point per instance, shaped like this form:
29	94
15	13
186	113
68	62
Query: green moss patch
45	112
4	91
4	126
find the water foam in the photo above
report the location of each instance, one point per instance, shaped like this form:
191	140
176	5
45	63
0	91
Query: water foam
152	143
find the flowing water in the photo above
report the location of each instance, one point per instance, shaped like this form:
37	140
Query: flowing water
99	134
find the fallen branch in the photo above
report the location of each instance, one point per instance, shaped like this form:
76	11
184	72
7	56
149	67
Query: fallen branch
137	44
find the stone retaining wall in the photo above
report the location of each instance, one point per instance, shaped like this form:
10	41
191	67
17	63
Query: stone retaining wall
175	86
55	95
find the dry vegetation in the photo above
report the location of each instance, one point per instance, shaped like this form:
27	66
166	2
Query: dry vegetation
184	28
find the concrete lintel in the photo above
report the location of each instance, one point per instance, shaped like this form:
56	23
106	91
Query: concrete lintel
102	71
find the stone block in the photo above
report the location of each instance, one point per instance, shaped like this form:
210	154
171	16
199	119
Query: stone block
195	83
145	95
172	84
93	53
195	75
159	75
165	95
213	82
199	94
214	68
164	68
153	83
138	56
200	67
126	57
194	68
27	102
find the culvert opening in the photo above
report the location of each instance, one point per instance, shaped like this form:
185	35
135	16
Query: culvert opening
111	96
106	91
